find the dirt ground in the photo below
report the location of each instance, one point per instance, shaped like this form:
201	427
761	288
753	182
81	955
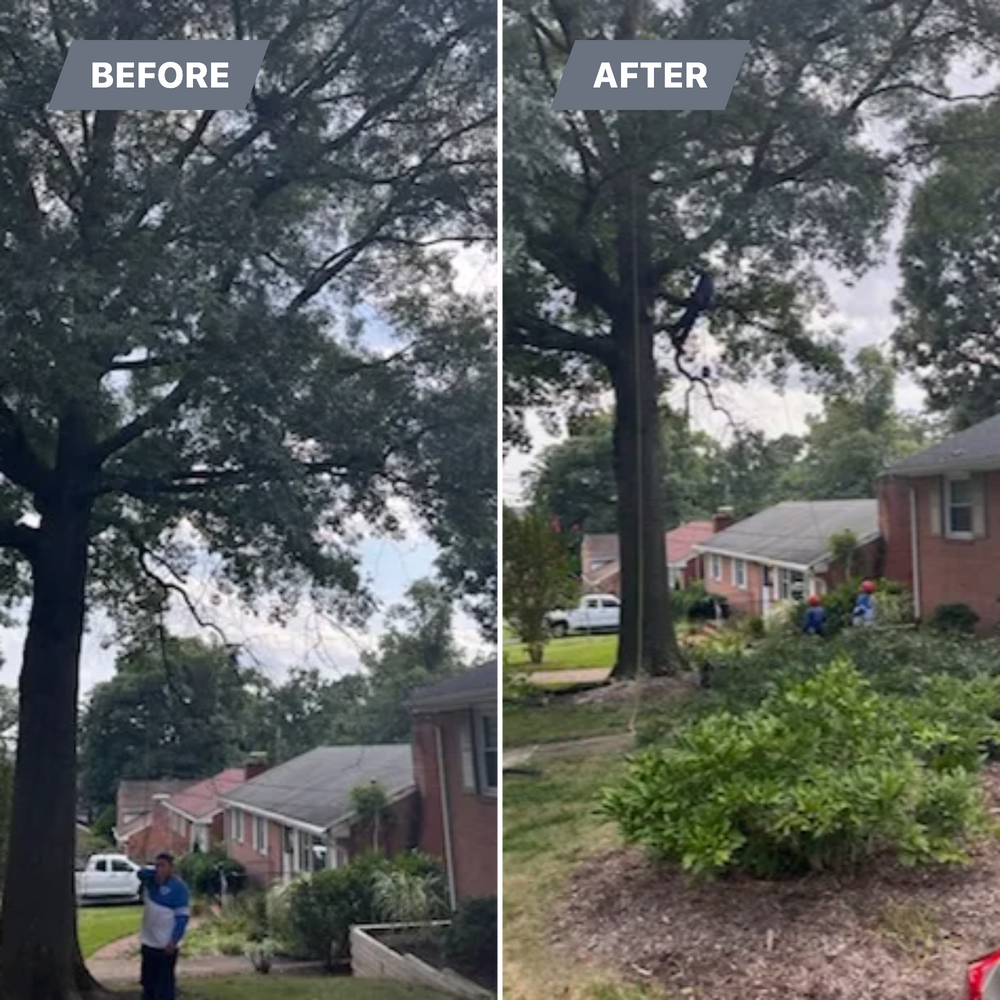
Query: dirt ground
890	933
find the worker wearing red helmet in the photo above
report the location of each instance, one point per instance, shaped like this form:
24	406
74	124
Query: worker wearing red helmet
815	620
864	606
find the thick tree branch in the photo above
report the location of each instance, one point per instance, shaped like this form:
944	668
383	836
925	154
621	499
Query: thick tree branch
19	537
158	414
18	460
533	331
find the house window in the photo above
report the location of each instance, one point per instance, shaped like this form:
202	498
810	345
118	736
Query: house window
715	563
958	504
260	834
791	585
740	573
238	830
487	753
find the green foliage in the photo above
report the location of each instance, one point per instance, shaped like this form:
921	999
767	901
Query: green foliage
859	433
173	710
825	774
322	909
370	804
405	896
472	941
948	313
536	576
202	871
958	618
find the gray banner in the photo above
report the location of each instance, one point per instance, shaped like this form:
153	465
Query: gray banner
158	76
649	76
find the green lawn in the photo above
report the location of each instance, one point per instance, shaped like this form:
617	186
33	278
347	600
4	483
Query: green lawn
288	987
549	824
526	725
102	925
577	652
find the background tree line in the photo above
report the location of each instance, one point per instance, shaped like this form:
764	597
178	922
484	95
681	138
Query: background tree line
185	708
858	432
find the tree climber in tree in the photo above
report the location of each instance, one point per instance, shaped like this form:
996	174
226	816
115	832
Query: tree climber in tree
702	300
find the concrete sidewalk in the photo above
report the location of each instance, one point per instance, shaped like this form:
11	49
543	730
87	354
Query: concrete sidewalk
125	971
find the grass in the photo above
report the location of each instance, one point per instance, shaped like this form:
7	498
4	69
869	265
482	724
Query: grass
577	652
525	725
101	926
549	824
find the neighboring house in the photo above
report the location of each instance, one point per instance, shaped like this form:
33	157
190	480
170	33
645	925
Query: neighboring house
193	817
599	555
939	513
298	817
784	552
136	800
456	764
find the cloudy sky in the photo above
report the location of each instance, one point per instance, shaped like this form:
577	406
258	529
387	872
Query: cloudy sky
311	639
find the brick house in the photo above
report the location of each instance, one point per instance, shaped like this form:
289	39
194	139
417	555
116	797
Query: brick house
456	766
297	818
134	805
784	552
193	817
600	569
939	512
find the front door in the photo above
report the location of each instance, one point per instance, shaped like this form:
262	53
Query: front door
767	589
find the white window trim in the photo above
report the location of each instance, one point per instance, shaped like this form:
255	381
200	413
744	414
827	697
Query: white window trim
737	583
260	834
239	829
948	505
479	719
715	567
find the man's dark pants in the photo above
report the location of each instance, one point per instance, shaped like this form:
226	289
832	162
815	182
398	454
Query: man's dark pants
159	980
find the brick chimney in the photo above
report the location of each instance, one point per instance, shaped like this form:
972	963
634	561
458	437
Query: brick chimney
256	763
723	518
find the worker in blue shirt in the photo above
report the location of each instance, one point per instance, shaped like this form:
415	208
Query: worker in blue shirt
166	912
815	620
864	606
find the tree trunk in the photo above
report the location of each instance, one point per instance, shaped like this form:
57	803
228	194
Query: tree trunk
39	950
647	642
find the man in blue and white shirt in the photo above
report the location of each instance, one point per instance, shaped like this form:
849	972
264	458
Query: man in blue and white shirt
166	912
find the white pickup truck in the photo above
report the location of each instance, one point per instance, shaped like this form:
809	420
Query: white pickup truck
108	877
595	613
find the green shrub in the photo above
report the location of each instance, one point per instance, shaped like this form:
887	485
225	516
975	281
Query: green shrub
322	909
826	773
201	871
957	618
471	943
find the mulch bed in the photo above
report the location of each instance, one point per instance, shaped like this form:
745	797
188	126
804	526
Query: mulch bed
890	933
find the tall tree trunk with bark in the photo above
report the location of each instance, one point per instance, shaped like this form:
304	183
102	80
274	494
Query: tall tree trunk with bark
40	956
647	641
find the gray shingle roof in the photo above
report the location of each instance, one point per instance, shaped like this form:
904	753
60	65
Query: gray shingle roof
971	450
315	789
796	533
470	687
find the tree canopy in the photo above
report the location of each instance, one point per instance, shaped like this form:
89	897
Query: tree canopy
949	303
230	333
609	217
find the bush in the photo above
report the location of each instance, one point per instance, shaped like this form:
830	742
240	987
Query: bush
824	774
956	618
322	909
472	942
201	871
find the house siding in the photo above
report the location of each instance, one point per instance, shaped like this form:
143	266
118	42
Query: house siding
951	570
473	816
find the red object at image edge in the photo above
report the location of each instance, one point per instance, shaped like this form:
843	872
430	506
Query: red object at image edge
979	971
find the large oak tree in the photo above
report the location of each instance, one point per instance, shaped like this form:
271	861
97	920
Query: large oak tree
184	365
609	217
